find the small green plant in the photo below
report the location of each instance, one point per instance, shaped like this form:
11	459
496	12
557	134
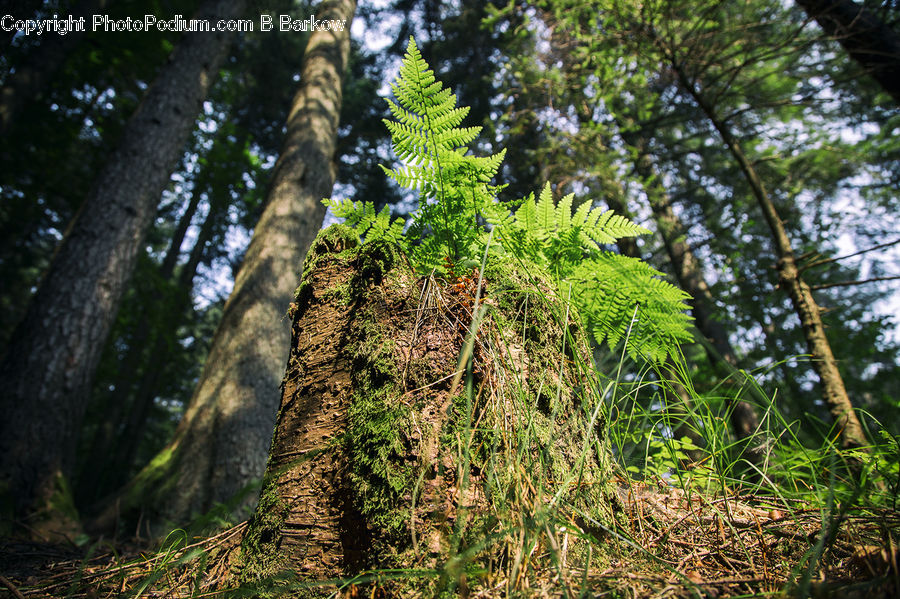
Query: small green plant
622	299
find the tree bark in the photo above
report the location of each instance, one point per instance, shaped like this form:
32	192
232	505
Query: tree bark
46	374
221	444
104	462
866	38
833	391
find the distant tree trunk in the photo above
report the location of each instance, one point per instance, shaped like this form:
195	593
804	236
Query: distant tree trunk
833	391
46	374
690	277
222	441
39	67
866	38
97	472
147	386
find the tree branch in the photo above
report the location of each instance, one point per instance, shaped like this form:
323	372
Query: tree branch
849	283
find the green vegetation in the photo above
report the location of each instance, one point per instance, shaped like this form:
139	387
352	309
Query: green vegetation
621	298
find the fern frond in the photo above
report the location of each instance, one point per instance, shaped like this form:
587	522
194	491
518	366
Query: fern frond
566	238
428	138
625	299
368	224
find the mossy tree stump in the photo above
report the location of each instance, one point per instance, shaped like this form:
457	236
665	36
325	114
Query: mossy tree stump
379	460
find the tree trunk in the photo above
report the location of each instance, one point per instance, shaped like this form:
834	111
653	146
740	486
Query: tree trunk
864	36
690	277
221	444
41	64
46	374
146	389
833	390
379	458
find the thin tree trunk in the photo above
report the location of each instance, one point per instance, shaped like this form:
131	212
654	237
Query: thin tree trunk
689	274
45	377
222	442
39	67
146	390
833	390
864	36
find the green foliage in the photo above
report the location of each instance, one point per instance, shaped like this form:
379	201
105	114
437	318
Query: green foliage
361	217
622	299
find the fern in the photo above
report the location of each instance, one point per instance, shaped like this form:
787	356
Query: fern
454	186
621	299
361	217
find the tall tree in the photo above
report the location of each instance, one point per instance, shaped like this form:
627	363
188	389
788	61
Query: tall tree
46	374
222	442
790	279
752	69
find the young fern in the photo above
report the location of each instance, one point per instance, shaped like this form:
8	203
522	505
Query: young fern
621	299
618	296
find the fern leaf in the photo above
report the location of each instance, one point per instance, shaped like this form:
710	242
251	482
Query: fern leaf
625	300
367	223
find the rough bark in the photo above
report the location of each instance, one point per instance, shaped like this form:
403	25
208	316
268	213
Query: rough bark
378	456
866	38
37	70
221	444
46	374
833	391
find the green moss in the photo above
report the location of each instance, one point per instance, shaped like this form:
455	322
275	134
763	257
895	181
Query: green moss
379	423
154	481
260	557
381	474
336	239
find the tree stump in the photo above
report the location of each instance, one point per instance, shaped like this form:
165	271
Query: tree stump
385	457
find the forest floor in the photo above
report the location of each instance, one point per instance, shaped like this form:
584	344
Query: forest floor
680	545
